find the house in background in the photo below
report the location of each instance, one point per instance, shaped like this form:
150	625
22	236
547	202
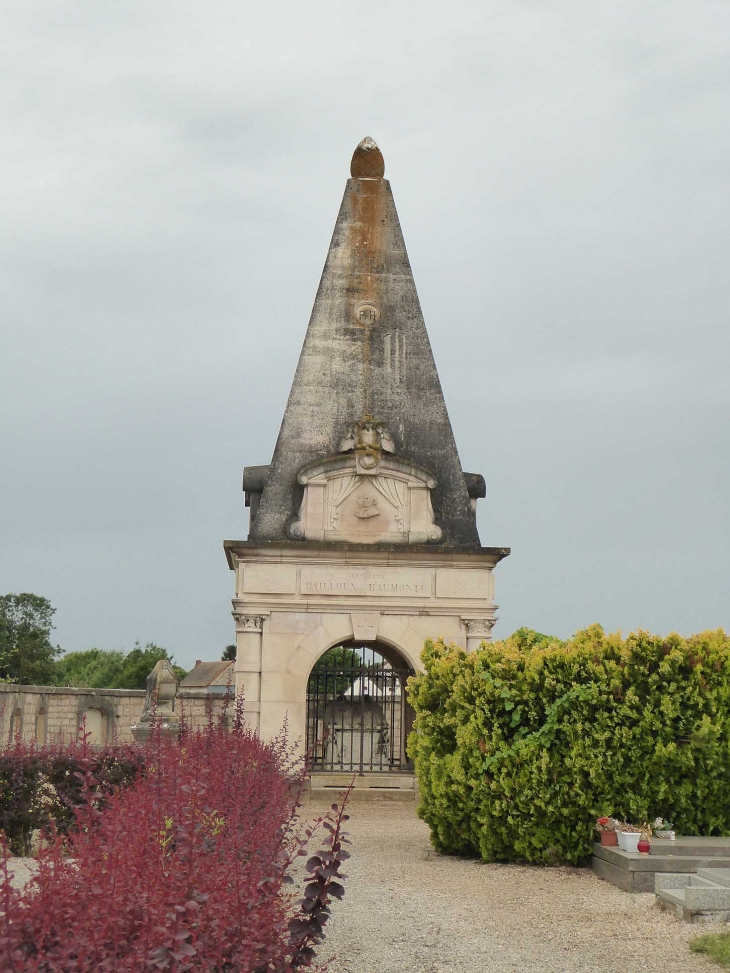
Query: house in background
213	677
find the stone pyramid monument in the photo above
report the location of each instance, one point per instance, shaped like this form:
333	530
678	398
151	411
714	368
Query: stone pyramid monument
367	360
363	527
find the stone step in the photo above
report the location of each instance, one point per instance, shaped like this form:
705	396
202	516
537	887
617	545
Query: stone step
686	891
697	881
692	846
385	781
718	876
368	787
365	796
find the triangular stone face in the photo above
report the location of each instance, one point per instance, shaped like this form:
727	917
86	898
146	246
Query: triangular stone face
366	354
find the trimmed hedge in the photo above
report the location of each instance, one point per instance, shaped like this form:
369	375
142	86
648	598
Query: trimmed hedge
520	746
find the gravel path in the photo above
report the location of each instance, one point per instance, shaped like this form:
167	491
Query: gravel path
21	870
409	910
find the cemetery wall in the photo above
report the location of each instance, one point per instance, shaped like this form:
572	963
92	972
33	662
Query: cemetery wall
47	713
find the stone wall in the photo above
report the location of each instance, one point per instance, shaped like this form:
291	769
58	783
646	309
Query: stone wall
49	713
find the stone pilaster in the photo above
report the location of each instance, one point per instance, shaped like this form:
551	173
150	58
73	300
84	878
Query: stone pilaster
249	639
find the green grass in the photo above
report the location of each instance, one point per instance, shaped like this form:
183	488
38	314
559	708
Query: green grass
714	945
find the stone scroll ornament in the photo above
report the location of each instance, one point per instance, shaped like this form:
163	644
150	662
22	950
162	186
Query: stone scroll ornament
366	494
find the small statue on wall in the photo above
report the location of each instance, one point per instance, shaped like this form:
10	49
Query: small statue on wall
159	704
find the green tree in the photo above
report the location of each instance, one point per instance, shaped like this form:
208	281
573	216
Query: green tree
111	668
525	639
139	662
26	653
95	668
229	654
338	657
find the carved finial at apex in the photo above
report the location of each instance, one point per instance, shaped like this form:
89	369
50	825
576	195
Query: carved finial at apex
367	161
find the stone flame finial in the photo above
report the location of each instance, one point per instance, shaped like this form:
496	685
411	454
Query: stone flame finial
367	161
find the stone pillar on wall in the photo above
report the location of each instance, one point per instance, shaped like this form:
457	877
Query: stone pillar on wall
478	630
249	637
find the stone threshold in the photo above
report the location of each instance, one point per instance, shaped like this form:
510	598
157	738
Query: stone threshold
367	787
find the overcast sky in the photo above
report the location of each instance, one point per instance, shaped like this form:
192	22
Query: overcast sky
172	172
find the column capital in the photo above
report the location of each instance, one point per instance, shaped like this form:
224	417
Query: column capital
246	622
480	626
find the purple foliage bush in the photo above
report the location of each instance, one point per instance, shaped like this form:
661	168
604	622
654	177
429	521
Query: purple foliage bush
41	786
185	867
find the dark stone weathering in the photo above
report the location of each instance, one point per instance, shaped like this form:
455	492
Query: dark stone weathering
366	354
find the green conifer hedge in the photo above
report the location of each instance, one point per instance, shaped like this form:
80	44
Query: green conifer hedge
520	746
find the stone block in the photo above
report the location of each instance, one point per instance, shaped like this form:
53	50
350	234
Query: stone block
464	583
664	881
365	625
270	579
293	623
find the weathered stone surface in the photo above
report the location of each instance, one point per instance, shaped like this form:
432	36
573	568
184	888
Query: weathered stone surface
367	353
52	713
720	876
363	527
462	584
692	846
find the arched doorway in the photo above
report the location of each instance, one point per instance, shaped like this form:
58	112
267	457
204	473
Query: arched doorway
41	726
94	725
358	717
16	725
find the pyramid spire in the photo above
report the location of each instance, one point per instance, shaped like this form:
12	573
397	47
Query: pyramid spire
366	385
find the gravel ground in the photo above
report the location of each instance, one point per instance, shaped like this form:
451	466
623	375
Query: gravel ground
409	910
21	870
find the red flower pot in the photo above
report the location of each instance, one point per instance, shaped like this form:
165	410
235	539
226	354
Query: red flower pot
644	846
608	838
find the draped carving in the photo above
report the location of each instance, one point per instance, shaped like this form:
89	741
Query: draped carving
346	499
396	491
338	490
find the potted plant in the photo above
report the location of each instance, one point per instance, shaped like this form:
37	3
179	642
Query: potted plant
606	828
628	836
664	829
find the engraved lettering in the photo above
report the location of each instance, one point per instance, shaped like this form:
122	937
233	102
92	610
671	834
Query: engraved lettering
333	581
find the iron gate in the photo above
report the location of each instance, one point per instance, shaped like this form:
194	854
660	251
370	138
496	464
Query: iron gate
357	715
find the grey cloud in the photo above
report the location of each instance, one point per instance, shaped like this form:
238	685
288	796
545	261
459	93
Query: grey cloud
172	176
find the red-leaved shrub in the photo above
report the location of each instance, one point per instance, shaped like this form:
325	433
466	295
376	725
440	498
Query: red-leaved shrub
185	868
40	785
